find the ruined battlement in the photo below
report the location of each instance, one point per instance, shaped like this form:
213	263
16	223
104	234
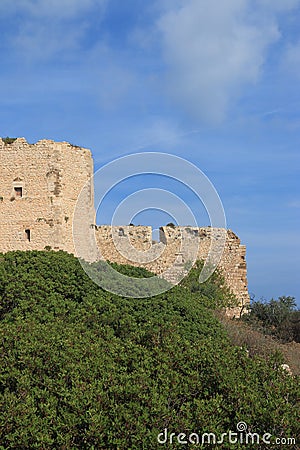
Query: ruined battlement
178	246
39	191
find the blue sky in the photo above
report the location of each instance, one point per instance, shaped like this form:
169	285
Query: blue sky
214	82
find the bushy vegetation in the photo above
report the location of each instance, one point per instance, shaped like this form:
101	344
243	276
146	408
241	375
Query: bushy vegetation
256	342
214	293
277	317
103	274
83	368
8	140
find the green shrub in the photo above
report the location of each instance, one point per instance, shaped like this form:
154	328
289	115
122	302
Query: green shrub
8	140
83	368
213	292
276	317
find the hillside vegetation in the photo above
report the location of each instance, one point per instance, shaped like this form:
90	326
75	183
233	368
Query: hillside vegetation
83	368
278	318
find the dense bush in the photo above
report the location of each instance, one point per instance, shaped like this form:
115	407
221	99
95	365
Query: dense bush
214	293
276	317
83	368
127	283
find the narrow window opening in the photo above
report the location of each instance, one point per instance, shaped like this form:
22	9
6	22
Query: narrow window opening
121	232
18	192
27	233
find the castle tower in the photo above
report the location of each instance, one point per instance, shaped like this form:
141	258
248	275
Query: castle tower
39	187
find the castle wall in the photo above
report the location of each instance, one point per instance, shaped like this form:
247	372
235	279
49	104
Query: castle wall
123	244
178	247
42	185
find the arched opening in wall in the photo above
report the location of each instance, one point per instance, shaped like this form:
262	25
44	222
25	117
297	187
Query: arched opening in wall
28	235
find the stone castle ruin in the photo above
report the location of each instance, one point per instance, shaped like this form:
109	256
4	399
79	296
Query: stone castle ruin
40	186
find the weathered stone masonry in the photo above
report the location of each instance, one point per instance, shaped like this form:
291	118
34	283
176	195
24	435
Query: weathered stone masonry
127	244
39	189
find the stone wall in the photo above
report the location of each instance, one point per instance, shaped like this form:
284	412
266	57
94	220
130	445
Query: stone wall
178	248
41	187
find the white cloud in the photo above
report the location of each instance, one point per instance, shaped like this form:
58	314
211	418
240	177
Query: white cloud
114	82
291	59
278	5
214	49
46	28
158	131
61	9
41	42
294	203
